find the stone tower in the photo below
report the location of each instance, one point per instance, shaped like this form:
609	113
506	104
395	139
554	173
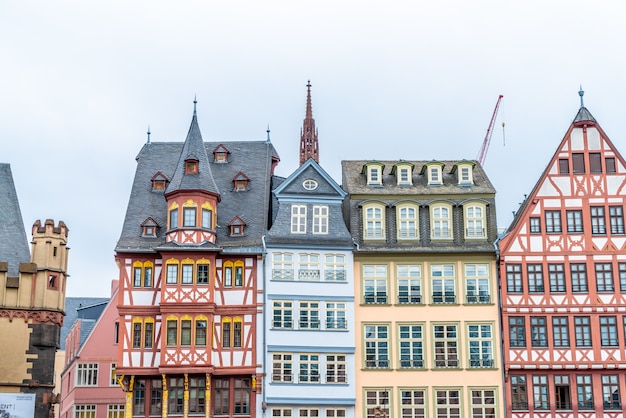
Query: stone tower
309	146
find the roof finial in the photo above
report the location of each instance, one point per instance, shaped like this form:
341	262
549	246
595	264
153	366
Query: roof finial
581	93
268	133
148	134
194	104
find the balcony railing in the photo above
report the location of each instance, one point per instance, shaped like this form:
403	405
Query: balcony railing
309	324
337	324
481	363
376	364
312	377
282	377
335	275
407	233
441	233
410	299
446	298
337	378
282	274
379	299
411	364
447	363
374	233
478	298
475	232
306	274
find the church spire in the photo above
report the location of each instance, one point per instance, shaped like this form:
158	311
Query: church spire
309	147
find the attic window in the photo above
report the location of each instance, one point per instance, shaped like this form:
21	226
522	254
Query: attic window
191	167
236	230
404	173
309	184
237	226
434	175
148	228
159	181
220	157
465	175
220	154
241	182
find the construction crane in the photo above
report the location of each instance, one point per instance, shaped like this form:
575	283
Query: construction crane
482	155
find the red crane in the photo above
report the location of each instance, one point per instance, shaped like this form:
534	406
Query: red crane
482	155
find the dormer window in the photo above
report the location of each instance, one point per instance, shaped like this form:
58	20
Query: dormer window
220	154
191	167
148	228
404	173
159	181
434	171
241	182
374	172
237	226
464	173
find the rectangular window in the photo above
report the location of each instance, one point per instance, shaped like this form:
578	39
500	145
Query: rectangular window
335	267
411	346
115	411
519	393
446	341
201	332
172	332
377	403
375	284
238	276
173	218
309	368
563	166
514	278
610	392
538	331
197	391
440	223
610	165
595	162
136	334
139	397
282	367
584	392
540	392
148	335
535	225
336	413
553	221
172	274
281	412
483	403
336	315
535	278
320	220
443	283
226	331
480	340
374	223
298	219
156	397
409	284
221	396
582	331
560	331
616	218
187	274
189	217
336	368
84	411
176	387
112	375
578	274
574	221
207	217
87	374
517	331
413	403
237	325
309	268
556	276
376	338
621	267
578	163
477	283
137	277
448	403
185	332
228	276
598	225
203	274
562	393
282	314
608	331
147	277
604	277
116	333
308	412
474	221
407	220
309	315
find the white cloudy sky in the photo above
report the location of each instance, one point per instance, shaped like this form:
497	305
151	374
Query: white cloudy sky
80	81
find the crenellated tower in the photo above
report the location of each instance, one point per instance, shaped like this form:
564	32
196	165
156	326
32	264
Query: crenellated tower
309	146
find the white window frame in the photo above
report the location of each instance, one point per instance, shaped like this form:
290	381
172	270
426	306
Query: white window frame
409	281
441	222
336	316
282	314
87	374
187	274
336	412
403	175
487	406
465	174
374	222
84	411
475	220
282	266
308	266
116	410
309	315
282	367
335	267
336	369
407	219
112	376
477	284
376	342
207	218
447	403
480	342
298	219
446	350
443	280
374	175
375	398
320	219
435	175
410	346
309	368
375	284
171	276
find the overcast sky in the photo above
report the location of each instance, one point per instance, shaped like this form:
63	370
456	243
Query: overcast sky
80	81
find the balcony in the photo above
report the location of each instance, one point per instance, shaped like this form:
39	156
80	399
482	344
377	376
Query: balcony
312	377
282	274
306	274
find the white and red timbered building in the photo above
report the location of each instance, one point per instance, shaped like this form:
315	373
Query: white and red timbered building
189	300
563	281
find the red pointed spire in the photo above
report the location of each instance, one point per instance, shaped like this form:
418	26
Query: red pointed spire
309	147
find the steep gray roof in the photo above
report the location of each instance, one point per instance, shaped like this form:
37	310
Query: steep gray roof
253	158
193	149
583	115
81	308
13	243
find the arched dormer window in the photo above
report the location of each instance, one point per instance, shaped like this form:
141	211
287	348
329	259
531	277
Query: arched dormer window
159	181
441	221
464	173
374	172
237	226
149	228
403	172
475	220
374	221
241	182
434	173
407	219
220	154
191	165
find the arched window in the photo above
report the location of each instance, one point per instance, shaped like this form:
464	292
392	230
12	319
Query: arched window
407	221
441	221
374	222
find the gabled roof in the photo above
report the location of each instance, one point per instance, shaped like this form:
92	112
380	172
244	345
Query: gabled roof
292	186
193	149
81	308
13	243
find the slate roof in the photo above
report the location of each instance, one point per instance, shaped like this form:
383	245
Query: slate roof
252	157
86	309
13	242
583	115
355	183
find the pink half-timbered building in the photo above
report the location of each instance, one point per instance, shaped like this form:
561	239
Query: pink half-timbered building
189	260
563	282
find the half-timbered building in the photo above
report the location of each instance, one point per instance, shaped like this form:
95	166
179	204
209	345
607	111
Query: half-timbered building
563	280
188	258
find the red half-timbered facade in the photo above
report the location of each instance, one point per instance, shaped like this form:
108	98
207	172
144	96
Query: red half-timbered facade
189	290
563	284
